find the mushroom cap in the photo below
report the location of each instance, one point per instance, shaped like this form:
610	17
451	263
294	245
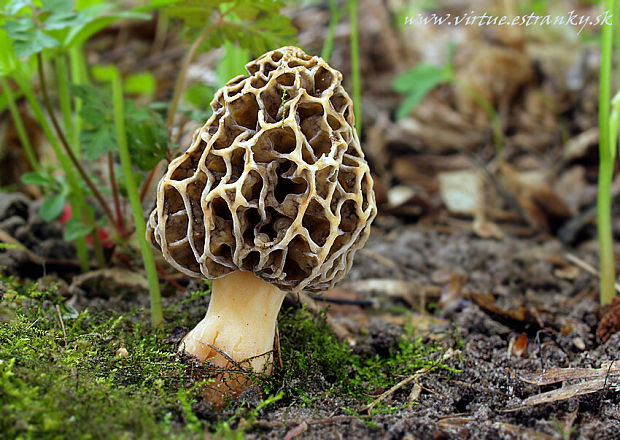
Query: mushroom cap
274	183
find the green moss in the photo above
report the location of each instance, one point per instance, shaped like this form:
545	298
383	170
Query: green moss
71	383
316	364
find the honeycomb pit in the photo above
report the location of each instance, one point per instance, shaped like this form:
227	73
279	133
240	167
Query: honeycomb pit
273	196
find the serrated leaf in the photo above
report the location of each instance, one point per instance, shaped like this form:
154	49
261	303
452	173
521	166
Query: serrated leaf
98	141
97	136
63	20
76	228
36	42
254	25
52	206
147	136
17	28
28	40
146	131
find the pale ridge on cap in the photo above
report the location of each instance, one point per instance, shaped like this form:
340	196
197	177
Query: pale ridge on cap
279	189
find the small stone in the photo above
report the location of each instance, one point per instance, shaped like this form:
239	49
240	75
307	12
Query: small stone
579	343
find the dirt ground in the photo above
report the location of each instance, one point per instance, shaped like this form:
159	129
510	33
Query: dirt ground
512	311
487	398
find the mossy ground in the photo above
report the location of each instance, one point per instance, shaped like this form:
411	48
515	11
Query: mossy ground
63	373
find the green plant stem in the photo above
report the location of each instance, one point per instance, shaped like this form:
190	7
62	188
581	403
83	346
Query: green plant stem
355	67
334	18
161	32
64	98
117	202
19	125
76	198
134	200
79	77
180	83
498	138
69	152
81	210
605	238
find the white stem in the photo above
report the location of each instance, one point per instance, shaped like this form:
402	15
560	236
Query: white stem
240	322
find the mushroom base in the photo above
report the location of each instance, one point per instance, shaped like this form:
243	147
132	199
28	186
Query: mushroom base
238	331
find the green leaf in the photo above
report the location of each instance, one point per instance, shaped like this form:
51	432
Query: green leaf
8	60
52	206
254	25
75	228
232	63
146	131
104	73
416	84
79	34
97	141
26	39
57	5
38	179
195	13
419	77
97	136
142	83
200	95
147	136
63	20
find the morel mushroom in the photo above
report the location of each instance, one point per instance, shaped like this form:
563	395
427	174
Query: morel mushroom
273	196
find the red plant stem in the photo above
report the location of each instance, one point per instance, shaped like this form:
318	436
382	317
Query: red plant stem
65	144
167	277
117	203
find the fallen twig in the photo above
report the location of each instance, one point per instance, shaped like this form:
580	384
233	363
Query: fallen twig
295	422
62	324
301	428
414	377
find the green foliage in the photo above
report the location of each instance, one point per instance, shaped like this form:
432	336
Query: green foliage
76	386
76	228
244	420
56	193
146	130
57	23
232	63
199	97
417	83
316	362
142	83
255	25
